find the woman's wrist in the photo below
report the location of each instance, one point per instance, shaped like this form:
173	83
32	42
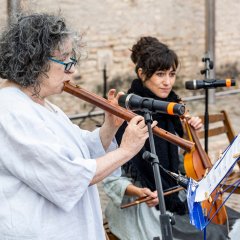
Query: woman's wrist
133	190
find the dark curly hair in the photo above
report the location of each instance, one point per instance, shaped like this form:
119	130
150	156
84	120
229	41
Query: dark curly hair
25	47
151	55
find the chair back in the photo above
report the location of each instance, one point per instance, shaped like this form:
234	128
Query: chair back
218	124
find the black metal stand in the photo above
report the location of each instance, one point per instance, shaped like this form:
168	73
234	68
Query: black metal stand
165	219
105	81
206	72
206	121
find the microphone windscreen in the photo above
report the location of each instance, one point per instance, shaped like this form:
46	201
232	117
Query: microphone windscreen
179	109
122	100
189	85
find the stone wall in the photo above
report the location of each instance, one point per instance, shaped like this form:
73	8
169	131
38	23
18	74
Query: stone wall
110	28
3	12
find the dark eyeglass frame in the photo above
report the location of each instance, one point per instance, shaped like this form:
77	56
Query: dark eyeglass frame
68	65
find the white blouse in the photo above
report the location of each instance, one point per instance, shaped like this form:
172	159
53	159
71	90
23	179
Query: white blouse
46	166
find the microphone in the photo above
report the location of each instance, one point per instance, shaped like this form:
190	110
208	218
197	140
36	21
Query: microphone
136	103
209	83
180	179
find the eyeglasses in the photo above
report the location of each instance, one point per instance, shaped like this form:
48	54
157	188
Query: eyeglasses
68	65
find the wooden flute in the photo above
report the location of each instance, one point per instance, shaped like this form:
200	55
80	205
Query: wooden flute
122	113
145	199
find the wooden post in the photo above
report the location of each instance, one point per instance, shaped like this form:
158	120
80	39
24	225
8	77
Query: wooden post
13	7
210	40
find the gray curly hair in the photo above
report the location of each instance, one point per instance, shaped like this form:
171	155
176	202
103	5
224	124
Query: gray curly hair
25	47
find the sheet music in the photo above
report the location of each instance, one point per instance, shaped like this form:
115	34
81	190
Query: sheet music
219	170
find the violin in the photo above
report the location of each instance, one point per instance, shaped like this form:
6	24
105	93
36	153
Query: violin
197	164
122	113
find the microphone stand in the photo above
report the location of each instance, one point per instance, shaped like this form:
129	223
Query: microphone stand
206	71
105	82
165	219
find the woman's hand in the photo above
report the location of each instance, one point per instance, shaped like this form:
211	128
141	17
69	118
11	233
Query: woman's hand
152	196
133	190
113	121
195	122
135	135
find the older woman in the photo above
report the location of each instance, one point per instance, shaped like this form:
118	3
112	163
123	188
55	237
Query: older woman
48	166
